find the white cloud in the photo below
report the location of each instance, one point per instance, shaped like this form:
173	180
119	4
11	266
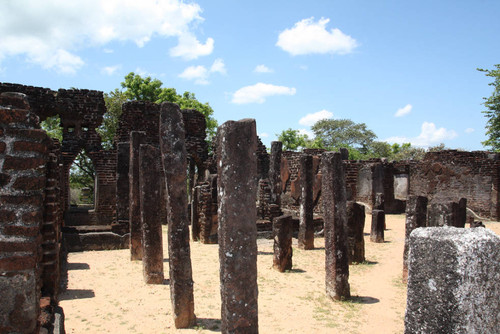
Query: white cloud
263	69
50	33
429	135
143	72
200	74
106	50
403	111
258	93
263	135
310	119
309	133
469	130
218	66
308	37
110	70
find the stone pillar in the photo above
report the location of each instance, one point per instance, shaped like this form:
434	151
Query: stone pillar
453	281
377	181
152	247
416	216
306	225
282	232
136	139
275	172
355	227
173	151
195	214
377	228
344	153
237	187
335	217
379	204
447	214
122	182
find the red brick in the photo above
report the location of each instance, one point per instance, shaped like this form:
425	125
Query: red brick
32	217
6	246
2	147
4	179
21	231
36	200
27	146
7	216
8	116
17	263
18	163
29	183
32	134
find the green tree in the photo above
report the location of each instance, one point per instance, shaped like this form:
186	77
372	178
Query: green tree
292	139
337	133
407	152
380	149
107	130
492	113
52	125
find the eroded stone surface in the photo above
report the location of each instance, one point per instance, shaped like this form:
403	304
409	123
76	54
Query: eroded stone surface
455	289
282	232
174	156
136	139
377	227
416	216
355	227
306	225
237	142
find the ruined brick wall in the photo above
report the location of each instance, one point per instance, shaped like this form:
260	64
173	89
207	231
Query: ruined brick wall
23	159
262	160
450	175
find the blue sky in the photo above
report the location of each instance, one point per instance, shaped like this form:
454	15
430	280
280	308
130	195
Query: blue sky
405	68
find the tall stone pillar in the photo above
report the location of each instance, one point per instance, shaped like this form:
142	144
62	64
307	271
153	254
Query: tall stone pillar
275	172
136	139
306	225
152	247
195	214
416	216
282	232
355	227
335	217
174	156
122	183
237	188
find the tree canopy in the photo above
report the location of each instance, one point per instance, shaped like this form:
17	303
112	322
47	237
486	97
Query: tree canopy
492	112
337	133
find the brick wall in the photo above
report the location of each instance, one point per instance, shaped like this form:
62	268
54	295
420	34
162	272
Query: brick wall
23	178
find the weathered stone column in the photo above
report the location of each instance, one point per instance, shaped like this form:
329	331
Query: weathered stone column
447	214
136	139
377	228
306	225
282	232
152	247
122	183
453	281
173	151
237	187
335	217
195	214
355	227
344	153
275	172
416	216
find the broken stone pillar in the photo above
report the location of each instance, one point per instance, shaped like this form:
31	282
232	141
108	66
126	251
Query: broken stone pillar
377	228
355	227
453	281
122	183
275	172
379	204
306	225
174	156
237	188
152	247
447	214
344	153
416	216
335	219
136	139
282	232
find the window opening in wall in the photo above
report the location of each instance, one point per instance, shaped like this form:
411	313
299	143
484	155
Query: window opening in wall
82	181
71	129
52	125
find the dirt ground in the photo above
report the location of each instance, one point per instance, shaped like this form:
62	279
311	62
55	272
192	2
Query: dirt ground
106	292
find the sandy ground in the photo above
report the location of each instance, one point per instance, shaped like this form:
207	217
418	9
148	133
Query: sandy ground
107	294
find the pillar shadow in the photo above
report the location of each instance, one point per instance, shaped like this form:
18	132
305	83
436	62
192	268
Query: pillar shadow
78	266
213	325
166	260
71	294
295	271
264	253
166	281
364	300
